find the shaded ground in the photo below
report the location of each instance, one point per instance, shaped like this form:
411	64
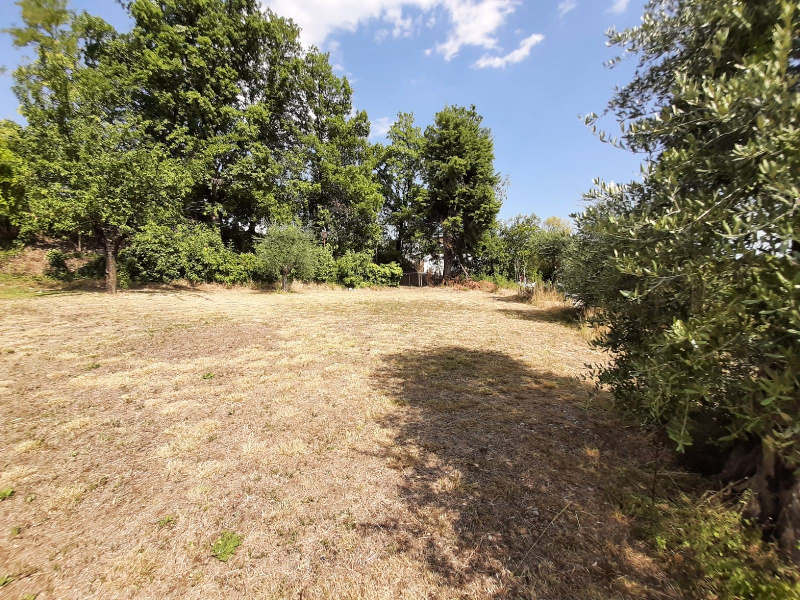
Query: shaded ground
369	444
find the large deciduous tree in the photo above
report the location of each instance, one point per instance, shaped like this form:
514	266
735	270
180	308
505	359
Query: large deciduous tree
700	284
92	168
400	172
462	202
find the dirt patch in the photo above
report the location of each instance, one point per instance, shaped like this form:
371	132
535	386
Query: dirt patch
396	444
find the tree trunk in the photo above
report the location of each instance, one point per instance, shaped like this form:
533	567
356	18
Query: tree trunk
285	280
112	240
776	499
447	251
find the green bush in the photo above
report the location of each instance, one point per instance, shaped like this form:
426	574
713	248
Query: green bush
57	265
356	269
325	270
194	252
287	252
385	275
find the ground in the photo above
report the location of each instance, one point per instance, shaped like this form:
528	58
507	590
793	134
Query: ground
411	443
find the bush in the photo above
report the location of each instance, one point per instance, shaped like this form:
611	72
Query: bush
325	267
710	551
58	269
194	252
385	275
287	252
356	269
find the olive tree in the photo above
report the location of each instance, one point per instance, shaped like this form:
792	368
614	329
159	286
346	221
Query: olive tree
698	275
286	252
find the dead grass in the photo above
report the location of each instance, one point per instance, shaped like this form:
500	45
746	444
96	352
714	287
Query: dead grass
412	443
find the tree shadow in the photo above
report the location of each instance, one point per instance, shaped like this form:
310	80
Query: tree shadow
506	476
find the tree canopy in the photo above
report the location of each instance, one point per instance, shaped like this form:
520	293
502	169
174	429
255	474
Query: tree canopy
697	265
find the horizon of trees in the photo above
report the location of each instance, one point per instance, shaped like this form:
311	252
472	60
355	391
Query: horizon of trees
213	113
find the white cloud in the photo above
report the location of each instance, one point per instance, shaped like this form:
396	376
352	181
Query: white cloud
567	6
518	55
619	6
380	127
472	22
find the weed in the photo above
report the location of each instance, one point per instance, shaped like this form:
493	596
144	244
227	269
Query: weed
29	597
15	531
6	493
5	580
226	545
208	376
166	521
93	366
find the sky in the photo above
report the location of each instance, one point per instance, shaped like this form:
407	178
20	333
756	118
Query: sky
532	68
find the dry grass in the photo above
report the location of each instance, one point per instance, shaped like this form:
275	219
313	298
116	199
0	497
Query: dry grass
413	443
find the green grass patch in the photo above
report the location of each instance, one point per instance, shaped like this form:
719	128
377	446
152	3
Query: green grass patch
166	521
5	580
6	493
226	545
709	550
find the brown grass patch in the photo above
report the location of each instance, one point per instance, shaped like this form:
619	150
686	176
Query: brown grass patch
411	443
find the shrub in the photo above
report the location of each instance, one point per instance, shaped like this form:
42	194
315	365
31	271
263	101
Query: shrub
57	265
357	270
287	252
352	269
325	267
385	275
194	252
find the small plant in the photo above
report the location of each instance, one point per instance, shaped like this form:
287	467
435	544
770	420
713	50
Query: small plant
93	366
15	531
226	545
5	580
58	269
166	521
6	493
208	376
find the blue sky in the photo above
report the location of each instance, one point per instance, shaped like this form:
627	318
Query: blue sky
531	68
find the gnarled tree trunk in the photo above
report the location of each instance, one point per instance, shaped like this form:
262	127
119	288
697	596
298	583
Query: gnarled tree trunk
775	504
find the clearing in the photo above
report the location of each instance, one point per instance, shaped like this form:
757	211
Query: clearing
411	443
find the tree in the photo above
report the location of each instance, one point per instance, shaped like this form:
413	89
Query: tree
287	252
400	174
701	288
339	190
13	175
462	203
518	235
219	83
92	167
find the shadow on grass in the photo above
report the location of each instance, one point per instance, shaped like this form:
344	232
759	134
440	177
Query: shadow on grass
503	473
566	315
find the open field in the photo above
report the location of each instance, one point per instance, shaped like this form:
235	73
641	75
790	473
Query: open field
370	444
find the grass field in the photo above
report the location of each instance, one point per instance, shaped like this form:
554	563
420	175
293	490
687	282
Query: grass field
369	444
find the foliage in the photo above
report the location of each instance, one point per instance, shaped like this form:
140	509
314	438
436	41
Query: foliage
711	551
400	172
226	545
13	173
461	204
357	270
57	265
6	493
701	289
325	270
287	252
92	168
190	251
